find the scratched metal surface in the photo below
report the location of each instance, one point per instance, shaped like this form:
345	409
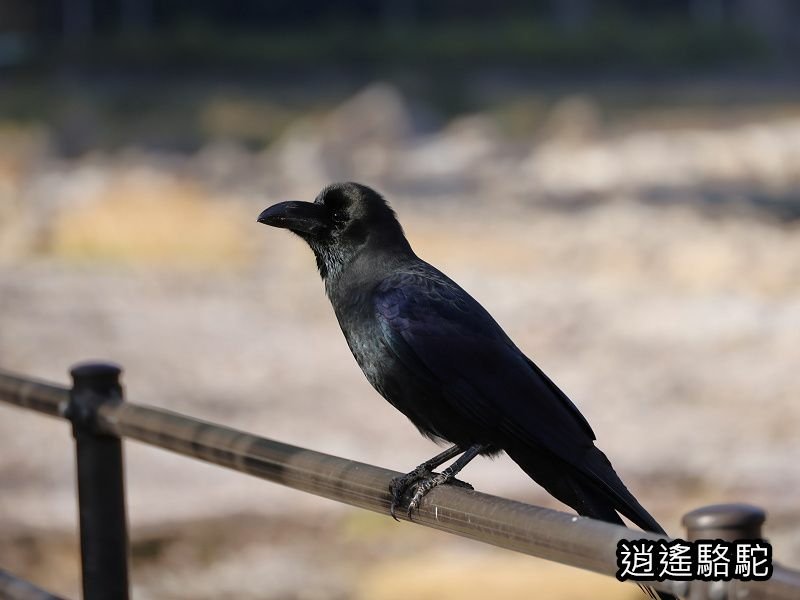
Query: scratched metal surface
36	395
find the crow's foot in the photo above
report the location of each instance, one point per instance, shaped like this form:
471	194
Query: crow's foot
399	485
426	484
424	479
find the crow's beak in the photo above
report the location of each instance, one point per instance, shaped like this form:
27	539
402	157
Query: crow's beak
300	217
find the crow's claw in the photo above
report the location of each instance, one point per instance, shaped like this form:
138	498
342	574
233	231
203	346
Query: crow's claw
428	483
399	486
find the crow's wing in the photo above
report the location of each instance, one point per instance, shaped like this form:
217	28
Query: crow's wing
441	333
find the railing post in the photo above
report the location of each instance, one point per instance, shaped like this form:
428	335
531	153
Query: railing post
101	491
728	522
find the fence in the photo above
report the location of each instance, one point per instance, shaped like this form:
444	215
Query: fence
100	419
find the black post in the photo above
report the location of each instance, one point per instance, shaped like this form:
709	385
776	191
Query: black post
729	522
101	491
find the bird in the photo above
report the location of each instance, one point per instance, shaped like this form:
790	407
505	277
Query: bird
439	357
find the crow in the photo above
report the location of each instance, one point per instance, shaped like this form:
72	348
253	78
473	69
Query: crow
439	357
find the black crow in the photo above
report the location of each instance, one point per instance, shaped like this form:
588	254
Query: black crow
439	357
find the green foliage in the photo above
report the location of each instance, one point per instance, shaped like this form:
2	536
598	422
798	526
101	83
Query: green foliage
610	42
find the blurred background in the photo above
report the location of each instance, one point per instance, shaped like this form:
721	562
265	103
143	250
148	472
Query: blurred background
616	181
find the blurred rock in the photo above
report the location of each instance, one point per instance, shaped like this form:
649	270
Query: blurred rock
452	161
572	121
746	158
298	161
377	115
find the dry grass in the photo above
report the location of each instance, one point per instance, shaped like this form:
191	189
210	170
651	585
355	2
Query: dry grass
620	245
151	221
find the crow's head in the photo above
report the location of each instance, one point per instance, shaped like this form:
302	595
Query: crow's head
344	220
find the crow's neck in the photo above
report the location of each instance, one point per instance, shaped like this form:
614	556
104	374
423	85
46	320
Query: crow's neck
332	260
342	268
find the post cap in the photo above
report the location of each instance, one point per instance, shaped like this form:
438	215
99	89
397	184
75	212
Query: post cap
98	376
94	369
726	521
94	384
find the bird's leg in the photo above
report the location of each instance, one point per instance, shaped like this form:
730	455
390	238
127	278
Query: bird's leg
446	476
399	485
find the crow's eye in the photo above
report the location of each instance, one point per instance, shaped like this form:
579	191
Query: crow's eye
339	216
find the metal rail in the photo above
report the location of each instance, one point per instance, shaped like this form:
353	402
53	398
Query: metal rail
577	541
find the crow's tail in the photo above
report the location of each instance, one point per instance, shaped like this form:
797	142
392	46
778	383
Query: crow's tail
594	490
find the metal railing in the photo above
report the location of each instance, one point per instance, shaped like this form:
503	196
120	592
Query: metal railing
101	418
